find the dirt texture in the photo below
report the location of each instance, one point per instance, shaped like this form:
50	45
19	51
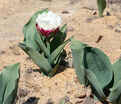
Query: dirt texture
83	22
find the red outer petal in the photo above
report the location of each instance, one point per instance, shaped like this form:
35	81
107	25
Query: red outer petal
46	32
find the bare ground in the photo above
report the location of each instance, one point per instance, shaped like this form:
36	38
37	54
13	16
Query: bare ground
83	22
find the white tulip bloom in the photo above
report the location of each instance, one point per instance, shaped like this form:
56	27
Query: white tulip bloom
48	20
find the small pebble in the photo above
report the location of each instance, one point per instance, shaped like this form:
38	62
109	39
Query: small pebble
29	71
23	93
65	12
2	52
56	84
67	99
117	30
28	58
88	100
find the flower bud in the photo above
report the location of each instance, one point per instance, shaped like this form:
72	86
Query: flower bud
48	22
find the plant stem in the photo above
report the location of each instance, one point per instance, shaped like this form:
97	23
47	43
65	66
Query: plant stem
48	44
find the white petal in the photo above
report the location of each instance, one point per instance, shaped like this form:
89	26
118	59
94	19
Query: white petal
48	20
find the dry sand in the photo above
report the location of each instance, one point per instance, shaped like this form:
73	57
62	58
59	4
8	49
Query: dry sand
83	22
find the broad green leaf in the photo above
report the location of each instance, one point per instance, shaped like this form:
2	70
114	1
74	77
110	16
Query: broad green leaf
117	71
37	58
77	48
95	85
58	38
29	30
115	93
56	52
116	89
96	61
101	6
41	44
9	83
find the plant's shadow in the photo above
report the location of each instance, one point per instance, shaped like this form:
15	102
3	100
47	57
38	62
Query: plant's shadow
59	70
31	100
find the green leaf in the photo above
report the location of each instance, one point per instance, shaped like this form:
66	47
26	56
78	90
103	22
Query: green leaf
116	89
94	60
56	52
95	85
98	62
101	6
29	30
77	53
55	66
9	83
117	71
115	93
41	44
37	58
58	38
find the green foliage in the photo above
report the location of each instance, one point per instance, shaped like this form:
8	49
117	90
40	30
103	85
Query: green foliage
95	85
115	95
29	31
9	83
58	38
57	52
77	51
101	6
93	68
45	51
38	58
39	40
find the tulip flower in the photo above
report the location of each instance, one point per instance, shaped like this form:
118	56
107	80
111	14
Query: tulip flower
48	22
44	41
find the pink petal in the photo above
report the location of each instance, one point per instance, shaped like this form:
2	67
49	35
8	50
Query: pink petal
46	32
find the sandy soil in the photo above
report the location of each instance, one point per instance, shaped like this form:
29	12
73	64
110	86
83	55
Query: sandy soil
83	22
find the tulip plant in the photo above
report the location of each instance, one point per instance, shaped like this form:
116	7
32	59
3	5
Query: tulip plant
101	7
94	68
9	84
44	40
